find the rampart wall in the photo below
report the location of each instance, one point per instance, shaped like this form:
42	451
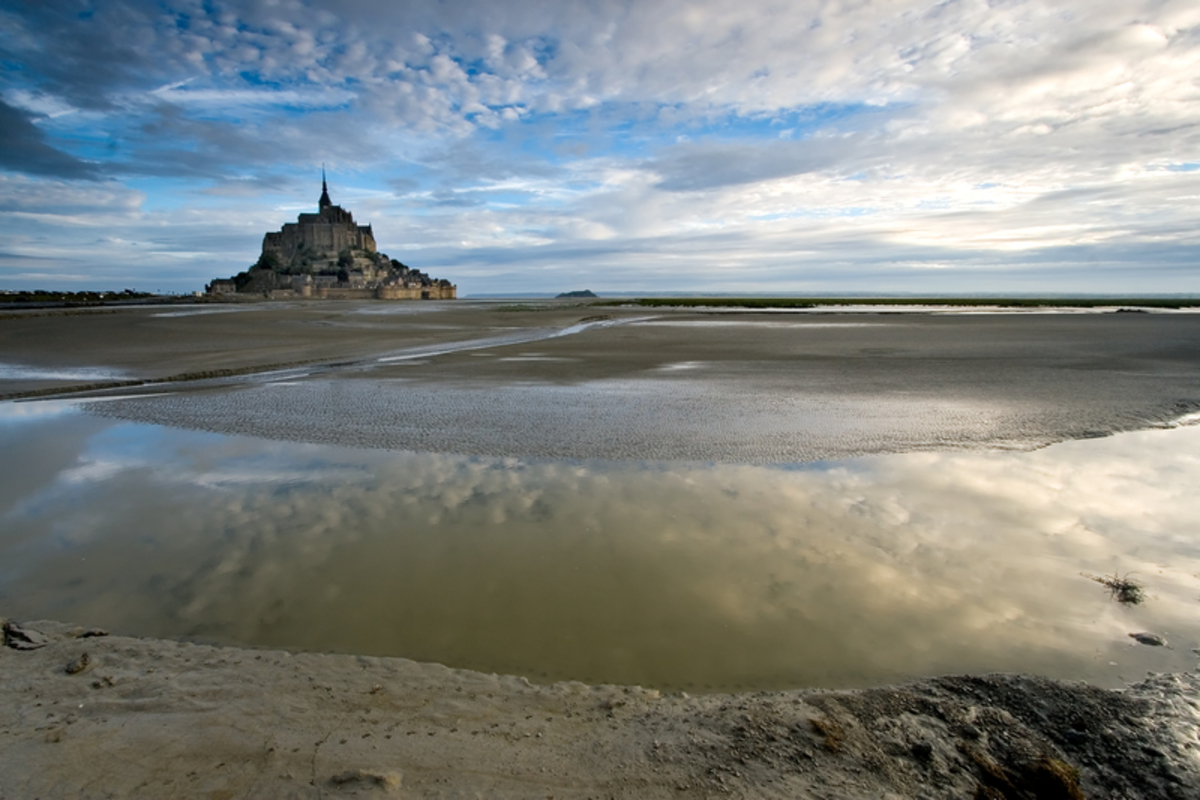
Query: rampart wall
434	292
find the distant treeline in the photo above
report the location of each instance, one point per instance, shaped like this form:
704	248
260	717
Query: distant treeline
80	298
815	302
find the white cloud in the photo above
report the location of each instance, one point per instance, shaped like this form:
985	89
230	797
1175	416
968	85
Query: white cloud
219	98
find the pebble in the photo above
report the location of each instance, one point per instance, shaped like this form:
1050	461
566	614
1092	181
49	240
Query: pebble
1151	639
78	665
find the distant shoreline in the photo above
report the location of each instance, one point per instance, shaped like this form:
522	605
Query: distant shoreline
934	302
41	299
20	301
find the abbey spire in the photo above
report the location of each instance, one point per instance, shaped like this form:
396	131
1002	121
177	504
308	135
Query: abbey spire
324	202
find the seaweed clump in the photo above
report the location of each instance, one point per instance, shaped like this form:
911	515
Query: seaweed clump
831	730
1045	779
1122	588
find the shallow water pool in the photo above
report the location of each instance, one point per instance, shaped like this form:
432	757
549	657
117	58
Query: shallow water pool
678	575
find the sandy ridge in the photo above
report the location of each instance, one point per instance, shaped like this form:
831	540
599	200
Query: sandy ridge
153	718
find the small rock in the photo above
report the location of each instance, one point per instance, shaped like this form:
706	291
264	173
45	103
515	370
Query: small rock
1151	639
78	665
90	632
382	780
922	751
19	638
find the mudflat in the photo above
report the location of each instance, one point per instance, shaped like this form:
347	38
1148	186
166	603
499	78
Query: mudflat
557	379
152	343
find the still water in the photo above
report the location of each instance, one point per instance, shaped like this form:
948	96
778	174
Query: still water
675	575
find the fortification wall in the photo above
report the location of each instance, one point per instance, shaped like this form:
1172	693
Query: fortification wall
434	292
343	294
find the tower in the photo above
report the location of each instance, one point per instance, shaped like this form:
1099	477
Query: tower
324	202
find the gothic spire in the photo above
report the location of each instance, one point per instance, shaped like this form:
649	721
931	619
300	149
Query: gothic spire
324	202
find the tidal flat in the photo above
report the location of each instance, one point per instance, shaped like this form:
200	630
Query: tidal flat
706	501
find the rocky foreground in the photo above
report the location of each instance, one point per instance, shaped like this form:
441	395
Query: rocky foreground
90	715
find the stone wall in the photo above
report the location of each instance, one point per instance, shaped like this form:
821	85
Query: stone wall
434	292
343	294
220	286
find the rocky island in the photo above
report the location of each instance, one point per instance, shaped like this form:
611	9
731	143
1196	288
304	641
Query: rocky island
328	255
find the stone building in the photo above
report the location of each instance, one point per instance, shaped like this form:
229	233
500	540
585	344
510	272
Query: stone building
316	240
329	255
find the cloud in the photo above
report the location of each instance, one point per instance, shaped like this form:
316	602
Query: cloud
698	166
29	196
23	148
511	125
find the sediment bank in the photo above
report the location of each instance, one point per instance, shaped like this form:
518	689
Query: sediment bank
88	715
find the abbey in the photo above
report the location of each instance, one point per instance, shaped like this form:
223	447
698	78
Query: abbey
319	237
328	255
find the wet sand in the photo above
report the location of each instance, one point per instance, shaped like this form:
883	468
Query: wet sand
153	343
564	380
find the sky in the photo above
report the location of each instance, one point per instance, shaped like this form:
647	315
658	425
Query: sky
648	146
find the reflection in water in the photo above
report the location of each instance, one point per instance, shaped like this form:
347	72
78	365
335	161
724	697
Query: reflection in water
693	576
19	372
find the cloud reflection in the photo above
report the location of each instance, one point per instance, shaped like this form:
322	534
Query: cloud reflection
722	576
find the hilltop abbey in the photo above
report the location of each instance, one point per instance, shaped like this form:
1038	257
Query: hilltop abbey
328	255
